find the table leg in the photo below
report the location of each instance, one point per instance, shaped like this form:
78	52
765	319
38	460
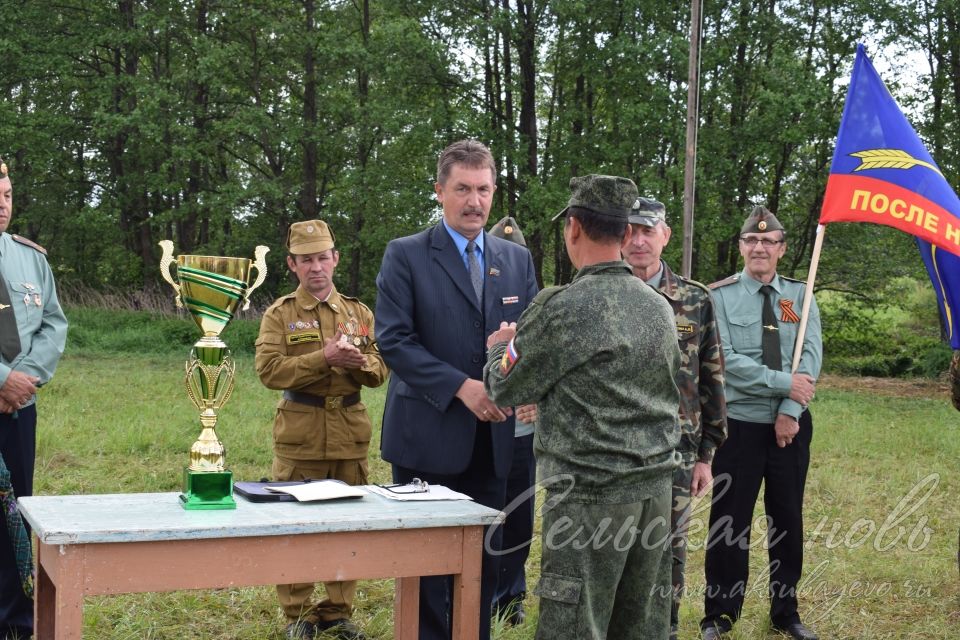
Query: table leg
58	596
466	587
406	615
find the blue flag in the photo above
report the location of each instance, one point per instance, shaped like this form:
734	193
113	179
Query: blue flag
882	173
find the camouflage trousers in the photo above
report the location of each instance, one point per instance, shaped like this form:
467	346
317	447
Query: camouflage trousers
679	523
605	570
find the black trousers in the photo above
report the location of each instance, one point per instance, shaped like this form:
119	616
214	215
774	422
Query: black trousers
479	481
18	446
518	528
749	457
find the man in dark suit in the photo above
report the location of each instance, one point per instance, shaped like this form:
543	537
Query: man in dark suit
440	293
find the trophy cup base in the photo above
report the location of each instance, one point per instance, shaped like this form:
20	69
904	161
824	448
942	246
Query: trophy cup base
205	490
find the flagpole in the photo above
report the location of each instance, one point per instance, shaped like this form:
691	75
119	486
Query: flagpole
808	297
690	152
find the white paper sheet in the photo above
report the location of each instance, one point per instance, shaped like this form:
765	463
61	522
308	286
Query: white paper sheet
320	490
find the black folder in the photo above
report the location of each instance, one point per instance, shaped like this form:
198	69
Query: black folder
257	491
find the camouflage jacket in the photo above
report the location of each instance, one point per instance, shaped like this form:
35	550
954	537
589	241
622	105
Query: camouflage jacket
598	356
703	409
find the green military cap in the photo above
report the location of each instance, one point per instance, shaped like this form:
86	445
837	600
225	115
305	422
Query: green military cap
648	212
607	195
761	220
309	236
508	229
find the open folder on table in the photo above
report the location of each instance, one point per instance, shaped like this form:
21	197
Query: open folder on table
318	490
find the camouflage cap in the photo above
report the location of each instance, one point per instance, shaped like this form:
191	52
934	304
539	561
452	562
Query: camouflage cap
607	195
648	212
761	220
309	236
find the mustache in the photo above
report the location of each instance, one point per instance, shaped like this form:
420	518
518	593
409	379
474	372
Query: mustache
472	210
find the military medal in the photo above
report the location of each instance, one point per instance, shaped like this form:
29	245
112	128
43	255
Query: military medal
36	299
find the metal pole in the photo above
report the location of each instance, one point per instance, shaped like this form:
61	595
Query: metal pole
690	165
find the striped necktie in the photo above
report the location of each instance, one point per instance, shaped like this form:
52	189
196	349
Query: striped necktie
476	276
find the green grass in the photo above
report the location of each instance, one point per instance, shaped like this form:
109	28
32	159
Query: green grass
123	423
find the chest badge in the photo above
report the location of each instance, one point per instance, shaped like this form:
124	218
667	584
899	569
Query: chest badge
684	330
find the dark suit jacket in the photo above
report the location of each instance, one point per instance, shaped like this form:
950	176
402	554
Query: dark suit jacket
432	335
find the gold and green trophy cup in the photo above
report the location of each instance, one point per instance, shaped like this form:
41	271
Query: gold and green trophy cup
210	288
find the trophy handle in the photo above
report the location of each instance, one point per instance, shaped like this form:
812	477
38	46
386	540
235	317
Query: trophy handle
165	261
260	264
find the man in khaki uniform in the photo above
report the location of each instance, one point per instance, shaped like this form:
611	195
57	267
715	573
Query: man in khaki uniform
318	347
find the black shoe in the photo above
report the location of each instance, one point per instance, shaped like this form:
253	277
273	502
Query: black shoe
712	633
797	631
673	632
301	629
341	628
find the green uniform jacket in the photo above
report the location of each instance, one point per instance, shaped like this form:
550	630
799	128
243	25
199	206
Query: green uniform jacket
33	298
703	409
290	356
598	356
756	393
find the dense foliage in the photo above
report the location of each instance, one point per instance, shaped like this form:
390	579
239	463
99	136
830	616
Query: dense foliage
218	122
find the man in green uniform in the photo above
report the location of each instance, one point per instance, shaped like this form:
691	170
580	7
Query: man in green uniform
598	357
770	429
318	346
703	410
33	332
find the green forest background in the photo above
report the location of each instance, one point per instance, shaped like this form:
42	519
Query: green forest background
218	123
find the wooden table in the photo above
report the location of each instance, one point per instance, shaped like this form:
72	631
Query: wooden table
129	543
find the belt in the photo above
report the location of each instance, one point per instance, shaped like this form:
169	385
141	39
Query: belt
327	402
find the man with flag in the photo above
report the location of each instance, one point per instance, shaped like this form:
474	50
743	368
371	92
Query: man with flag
769	430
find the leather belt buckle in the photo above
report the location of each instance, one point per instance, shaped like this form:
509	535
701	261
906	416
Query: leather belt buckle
332	402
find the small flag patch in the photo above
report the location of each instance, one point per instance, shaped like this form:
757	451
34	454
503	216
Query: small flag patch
510	358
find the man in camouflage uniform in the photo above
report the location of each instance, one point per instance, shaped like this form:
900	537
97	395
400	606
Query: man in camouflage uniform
318	346
603	381
703	410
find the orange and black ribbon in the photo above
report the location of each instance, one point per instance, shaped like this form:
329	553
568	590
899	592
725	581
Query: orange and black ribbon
788	314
